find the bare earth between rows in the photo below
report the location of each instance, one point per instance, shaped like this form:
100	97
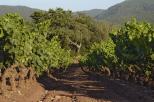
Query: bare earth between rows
76	86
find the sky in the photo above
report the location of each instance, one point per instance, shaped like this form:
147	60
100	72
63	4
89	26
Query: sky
74	5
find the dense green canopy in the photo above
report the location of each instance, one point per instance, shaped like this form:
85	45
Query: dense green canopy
75	31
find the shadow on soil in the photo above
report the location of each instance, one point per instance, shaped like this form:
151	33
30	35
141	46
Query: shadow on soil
76	82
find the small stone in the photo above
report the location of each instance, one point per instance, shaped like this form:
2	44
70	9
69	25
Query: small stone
46	91
19	93
51	98
57	98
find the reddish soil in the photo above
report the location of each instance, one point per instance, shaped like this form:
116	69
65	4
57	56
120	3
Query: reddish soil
30	93
75	86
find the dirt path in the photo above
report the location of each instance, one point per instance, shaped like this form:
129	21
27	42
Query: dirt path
76	86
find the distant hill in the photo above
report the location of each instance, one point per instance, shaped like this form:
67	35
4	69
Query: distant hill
141	9
22	10
92	13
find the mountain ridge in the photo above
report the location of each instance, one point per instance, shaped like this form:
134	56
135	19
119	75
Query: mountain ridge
119	13
92	13
140	9
24	11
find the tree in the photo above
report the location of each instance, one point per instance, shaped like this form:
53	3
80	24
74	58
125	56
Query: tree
74	31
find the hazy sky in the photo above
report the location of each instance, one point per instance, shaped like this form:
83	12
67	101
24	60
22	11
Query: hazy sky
75	5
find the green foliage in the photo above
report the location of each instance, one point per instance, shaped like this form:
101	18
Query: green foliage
101	55
134	47
134	42
30	47
49	55
16	40
129	51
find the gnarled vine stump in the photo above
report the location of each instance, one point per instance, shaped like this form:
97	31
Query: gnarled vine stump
16	76
8	78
